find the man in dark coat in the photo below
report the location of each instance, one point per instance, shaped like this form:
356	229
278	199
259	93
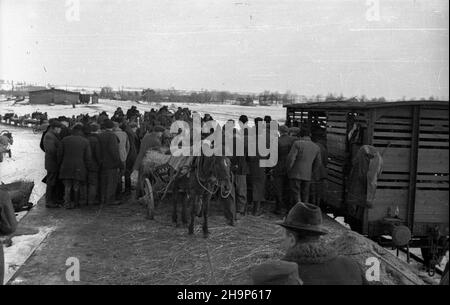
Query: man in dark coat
75	155
109	163
51	145
281	179
301	162
91	132
240	170
318	263
257	173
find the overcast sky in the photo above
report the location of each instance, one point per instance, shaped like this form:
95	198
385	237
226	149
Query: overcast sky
377	48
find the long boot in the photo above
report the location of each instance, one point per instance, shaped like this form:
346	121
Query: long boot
92	194
50	197
83	194
68	204
76	198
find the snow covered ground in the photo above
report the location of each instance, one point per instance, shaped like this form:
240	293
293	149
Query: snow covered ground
221	113
26	162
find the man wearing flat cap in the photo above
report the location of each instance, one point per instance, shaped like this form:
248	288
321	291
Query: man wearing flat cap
318	263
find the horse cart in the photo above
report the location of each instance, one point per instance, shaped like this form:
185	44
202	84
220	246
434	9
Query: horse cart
157	177
410	204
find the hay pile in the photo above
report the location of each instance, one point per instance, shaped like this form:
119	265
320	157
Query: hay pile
139	251
117	245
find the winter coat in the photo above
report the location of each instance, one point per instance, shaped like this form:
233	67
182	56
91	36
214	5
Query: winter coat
134	148
109	148
322	171
239	164
319	264
124	144
304	155
285	143
51	144
366	168
75	155
95	152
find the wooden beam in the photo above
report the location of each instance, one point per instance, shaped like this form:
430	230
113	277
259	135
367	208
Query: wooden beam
413	167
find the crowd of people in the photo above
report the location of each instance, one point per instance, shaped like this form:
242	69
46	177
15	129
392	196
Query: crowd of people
90	160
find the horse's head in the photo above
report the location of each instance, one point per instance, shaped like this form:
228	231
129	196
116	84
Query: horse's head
215	169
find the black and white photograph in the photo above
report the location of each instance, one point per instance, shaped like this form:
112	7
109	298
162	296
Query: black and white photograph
224	148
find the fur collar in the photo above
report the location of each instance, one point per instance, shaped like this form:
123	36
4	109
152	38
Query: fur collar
310	253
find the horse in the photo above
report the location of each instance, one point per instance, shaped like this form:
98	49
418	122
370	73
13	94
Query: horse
207	176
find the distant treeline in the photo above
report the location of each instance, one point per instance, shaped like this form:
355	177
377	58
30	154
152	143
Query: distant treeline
217	97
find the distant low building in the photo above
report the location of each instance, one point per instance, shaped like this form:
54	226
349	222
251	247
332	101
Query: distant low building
54	96
95	98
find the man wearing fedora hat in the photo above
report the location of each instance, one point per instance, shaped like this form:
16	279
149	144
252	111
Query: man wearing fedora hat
318	263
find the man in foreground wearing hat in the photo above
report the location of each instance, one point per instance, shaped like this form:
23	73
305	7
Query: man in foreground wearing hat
318	263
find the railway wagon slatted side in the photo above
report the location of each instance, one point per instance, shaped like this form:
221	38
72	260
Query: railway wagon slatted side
432	183
392	132
336	141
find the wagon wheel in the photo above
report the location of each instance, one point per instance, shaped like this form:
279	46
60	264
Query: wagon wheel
150	202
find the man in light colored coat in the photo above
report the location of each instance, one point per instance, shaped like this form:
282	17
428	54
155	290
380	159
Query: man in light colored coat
124	148
303	157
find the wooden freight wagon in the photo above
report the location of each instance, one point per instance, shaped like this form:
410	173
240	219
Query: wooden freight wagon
413	138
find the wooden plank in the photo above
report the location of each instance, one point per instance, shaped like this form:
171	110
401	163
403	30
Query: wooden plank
335	180
396	121
337	131
337	124
431	122
394	176
335	168
434	114
442	185
432	206
403	184
396	128
440	145
396	113
396	159
434	128
433	177
433	161
433	136
337	119
413	159
405	135
385	142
